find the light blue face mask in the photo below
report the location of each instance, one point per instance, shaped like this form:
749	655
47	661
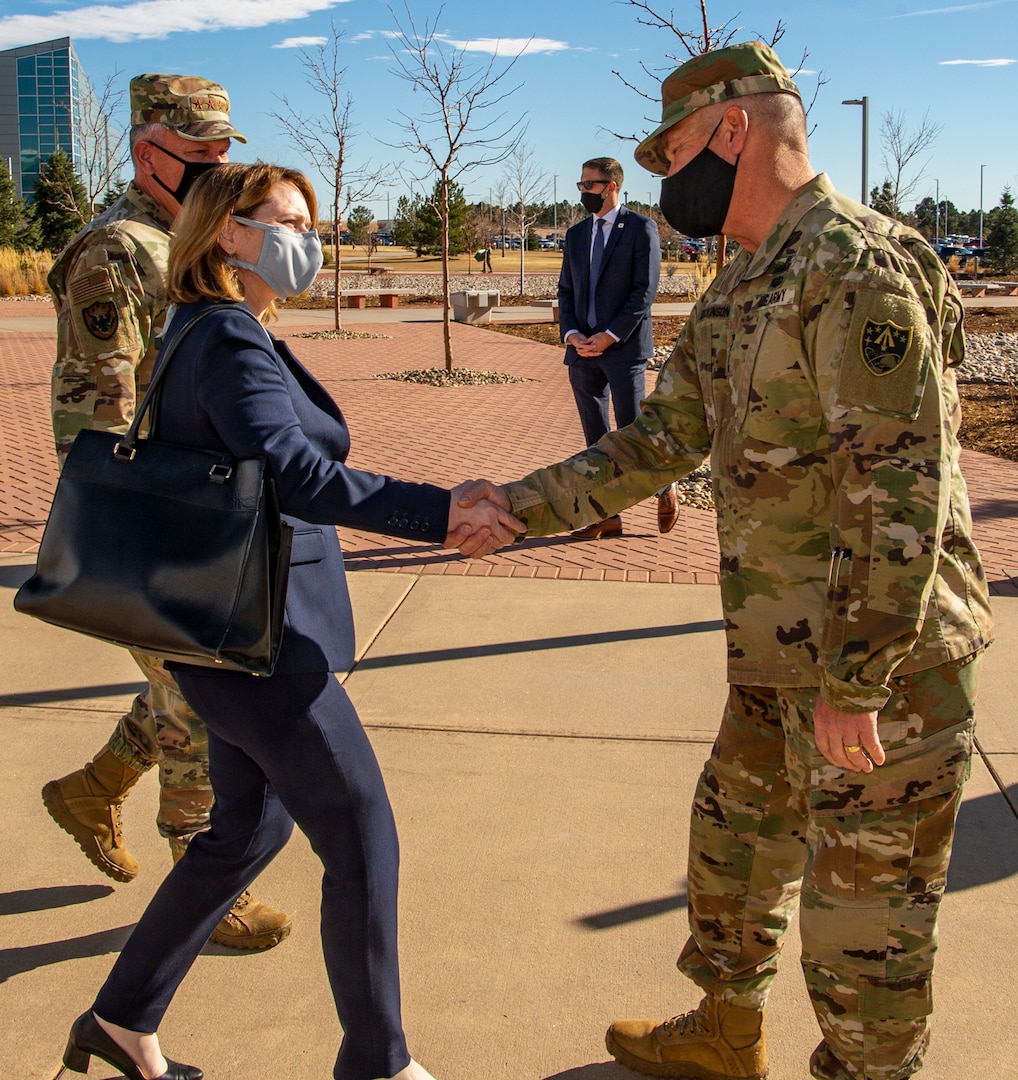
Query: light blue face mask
288	262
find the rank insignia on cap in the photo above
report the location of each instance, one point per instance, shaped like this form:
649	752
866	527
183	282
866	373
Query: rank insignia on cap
101	319
884	346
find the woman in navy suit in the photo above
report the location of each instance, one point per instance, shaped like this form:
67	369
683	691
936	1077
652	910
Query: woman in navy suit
288	748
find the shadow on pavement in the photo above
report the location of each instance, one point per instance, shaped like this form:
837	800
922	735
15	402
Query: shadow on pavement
598	1070
645	909
566	641
985	842
67	693
47	899
18	960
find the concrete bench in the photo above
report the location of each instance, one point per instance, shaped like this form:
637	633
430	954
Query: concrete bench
387	298
553	304
1009	288
976	288
379	270
473	306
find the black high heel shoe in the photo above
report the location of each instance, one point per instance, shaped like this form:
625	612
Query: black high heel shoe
88	1038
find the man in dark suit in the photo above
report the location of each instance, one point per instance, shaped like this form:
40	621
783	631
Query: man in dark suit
609	278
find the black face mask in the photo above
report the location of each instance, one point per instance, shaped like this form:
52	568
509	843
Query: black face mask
192	170
695	200
592	202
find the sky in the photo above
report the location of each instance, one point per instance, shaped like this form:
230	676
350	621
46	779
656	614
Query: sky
954	64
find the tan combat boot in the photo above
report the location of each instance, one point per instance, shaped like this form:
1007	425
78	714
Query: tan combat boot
87	804
249	924
714	1042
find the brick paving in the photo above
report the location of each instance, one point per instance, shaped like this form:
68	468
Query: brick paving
443	435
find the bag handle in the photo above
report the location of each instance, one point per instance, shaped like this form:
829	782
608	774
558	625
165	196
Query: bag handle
125	448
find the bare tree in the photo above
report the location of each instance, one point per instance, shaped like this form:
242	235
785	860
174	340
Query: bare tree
901	146
569	217
704	39
105	150
475	232
528	185
452	130
101	151
325	140
503	200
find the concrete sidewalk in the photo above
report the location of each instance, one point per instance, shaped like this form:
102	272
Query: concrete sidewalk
540	737
541	741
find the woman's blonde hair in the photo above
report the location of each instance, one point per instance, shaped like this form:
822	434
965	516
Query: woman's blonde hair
198	266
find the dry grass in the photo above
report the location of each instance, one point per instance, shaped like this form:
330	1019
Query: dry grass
23	273
403	261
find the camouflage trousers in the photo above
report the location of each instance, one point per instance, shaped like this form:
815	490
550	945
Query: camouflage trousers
162	729
863	857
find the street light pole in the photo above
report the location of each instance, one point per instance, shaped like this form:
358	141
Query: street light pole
554	211
981	168
937	233
865	103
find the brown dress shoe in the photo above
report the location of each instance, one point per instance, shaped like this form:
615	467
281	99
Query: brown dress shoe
667	509
609	527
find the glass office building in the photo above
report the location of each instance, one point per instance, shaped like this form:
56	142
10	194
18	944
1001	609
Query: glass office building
46	103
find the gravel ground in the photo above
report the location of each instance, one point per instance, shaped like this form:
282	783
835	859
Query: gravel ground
990	358
677	285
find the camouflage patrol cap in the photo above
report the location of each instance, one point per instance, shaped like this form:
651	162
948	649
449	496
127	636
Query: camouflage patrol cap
190	106
721	75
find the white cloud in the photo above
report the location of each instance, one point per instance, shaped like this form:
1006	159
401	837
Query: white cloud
367	35
153	19
978	63
506	46
300	42
952	10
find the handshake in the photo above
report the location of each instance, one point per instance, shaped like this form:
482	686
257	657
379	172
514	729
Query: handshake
480	521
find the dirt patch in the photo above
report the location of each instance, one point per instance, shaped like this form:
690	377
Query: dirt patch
989	412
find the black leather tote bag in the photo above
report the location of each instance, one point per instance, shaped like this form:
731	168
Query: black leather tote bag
169	550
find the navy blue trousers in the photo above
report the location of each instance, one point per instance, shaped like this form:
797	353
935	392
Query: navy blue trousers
591	379
281	750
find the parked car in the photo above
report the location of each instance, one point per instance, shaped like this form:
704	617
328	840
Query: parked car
546	243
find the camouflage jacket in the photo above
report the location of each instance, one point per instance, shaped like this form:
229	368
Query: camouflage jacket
109	288
817	374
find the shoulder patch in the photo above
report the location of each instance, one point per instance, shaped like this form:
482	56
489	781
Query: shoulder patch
92	285
101	319
884	346
887	354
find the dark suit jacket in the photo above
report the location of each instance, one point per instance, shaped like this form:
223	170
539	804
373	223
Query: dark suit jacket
231	386
625	289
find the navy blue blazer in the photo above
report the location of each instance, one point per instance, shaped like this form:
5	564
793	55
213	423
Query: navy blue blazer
232	386
626	285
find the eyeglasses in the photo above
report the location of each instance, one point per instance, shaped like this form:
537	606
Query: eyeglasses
589	185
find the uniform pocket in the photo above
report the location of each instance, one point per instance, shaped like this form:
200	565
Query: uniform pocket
779	402
914	770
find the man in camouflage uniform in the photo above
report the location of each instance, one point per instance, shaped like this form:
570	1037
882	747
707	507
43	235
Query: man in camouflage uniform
817	374
109	288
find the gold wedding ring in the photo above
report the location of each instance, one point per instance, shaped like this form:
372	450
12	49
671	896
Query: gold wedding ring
852	749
